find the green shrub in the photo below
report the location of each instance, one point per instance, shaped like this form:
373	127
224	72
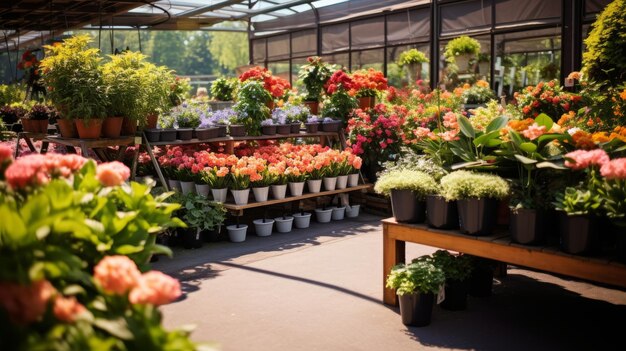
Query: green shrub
464	184
454	267
461	46
420	182
222	89
420	276
411	56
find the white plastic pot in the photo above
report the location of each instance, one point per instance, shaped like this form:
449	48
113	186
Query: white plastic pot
174	185
302	220
283	225
188	187
241	196
279	191
342	182
353	179
352	211
296	188
323	215
263	228
237	234
314	185
203	189
219	195
339	213
330	183
261	194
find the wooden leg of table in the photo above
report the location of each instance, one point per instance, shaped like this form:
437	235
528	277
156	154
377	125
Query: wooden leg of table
155	163
229	147
44	147
17	146
30	144
393	253
323	141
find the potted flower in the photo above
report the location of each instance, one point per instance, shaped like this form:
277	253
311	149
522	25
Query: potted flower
279	116
204	130
408	190
295	116
201	215
261	187
295	179
12	113
240	183
477	198
340	102
312	124
461	50
279	180
477	95
315	171
457	268
39	116
251	106
366	84
222	119
73	76
413	60
222	90
268	127
416	285
185	118
218	179
314	76
330	171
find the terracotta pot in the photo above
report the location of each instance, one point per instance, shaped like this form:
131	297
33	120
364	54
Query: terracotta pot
89	129
112	127
151	120
129	126
366	102
27	125
313	106
40	125
270	104
67	128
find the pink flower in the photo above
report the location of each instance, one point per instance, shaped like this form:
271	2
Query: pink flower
614	169
25	303
155	288
583	159
534	131
112	173
67	308
116	274
5	153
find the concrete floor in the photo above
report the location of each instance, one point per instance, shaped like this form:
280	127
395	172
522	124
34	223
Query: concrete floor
321	288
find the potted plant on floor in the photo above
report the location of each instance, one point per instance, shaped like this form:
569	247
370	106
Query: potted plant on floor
412	60
201	215
314	76
302	219
457	268
408	190
324	214
460	51
416	285
237	232
263	226
477	198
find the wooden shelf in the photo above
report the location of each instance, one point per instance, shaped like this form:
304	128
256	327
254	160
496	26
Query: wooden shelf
91	143
233	207
244	138
498	247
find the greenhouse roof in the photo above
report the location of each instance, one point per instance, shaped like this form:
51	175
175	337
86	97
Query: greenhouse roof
29	22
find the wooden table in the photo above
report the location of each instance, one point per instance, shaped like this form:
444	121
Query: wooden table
28	138
497	247
98	146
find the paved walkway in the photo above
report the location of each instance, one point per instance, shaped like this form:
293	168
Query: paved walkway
321	289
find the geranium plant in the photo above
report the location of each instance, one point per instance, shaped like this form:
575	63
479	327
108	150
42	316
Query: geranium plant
340	103
368	82
314	76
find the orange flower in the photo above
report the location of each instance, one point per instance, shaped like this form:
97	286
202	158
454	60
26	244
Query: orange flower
112	173
116	274
66	309
25	303
155	288
623	94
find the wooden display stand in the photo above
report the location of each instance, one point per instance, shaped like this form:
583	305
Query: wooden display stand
28	138
497	247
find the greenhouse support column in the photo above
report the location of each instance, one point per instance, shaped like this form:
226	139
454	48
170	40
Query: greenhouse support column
434	45
492	40
571	37
250	46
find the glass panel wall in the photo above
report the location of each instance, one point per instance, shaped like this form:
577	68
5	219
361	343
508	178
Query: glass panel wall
398	76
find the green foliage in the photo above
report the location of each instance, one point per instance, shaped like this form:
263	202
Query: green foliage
421	183
339	105
314	75
455	267
125	85
157	84
251	106
474	146
415	162
411	56
464	184
417	277
11	93
222	89
478	95
605	57
578	201
201	213
461	46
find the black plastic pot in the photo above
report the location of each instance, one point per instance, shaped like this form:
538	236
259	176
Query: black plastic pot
578	234
191	238
184	133
237	130
406	208
456	295
206	133
331	126
153	135
295	128
212	236
312	127
416	309
268	130
221	131
441	213
620	244
283	129
481	280
168	134
527	226
477	216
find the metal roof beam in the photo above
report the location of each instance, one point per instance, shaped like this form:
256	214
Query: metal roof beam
208	8
274	8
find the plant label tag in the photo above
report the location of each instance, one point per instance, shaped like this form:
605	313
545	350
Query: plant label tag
569	82
441	295
138	140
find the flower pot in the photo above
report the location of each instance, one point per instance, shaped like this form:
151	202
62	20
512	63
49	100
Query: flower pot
237	233
441	213
313	106
314	185
481	281
323	215
296	188
206	133
174	185
151	120
221	131
302	220
237	130
283	129
416	309
263	227
188	187
268	130
168	134
462	62
129	126
456	295
406	208
477	216
367	102
112	127
213	235
261	194
184	133
578	233
330	183
353	211
90	129
191	238
219	195
241	196
353	179
526	226
153	135
295	128
339	213
312	127
203	189
331	126
342	182
27	125
279	191
40	125
284	224
620	243
483	68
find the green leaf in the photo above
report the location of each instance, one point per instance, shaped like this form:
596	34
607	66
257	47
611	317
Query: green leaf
12	228
552	165
497	124
161	249
485	138
493	142
127	249
468	164
544	120
528	147
466	127
116	327
525	160
515	138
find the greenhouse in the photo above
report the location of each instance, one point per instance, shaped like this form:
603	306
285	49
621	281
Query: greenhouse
305	175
